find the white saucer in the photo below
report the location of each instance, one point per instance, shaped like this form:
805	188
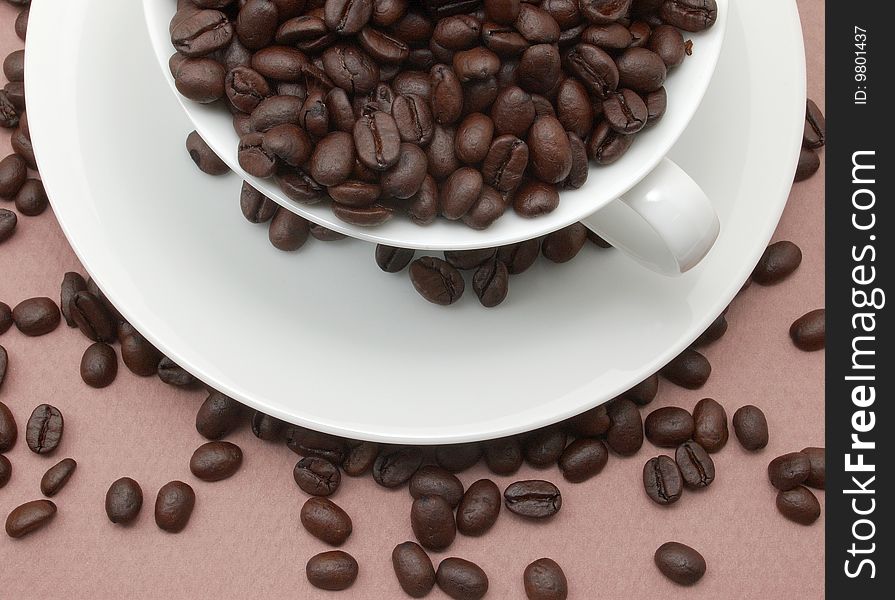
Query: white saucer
321	337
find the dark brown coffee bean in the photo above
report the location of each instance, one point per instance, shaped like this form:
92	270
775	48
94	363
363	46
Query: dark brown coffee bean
714	332
298	186
214	461
383	47
815	127
29	517
503	11
413	118
432	520
317	476
535	198
668	43
124	499
461	579
256	24
789	470
99	365
141	357
21	145
710	425
441	156
809	163
334	570
246	88
689	15
513	112
625	435
92	318
477	64
544	580
57	476
447	95
594	68
281	63
817	477
13	175
266	427
43	431
540	68
550	151
625	112
218	416
436	481
487	209
414	569
466	260
436	280
563	245
201	80
799	505
534	499
504	456
204	157
333	159
607	146
202	33
458	457
5	317
696	466
351	69
611	36
5	471
582	459
679	563
473	138
751	427
491	283
72	283
393	260
592	423
519	257
347	17
288	231
377	140
173	374
669	426
542	448
573	108
413	83
359	458
21	25
405	178
366	216
808	332
644	392
36	316
656	105
355	193
503	40
306	442
458	32
504	167
779	261
9	431
9	112
326	521
4	365
662	480
479	508
396	465
174	506
641	70
255	157
31	199
689	369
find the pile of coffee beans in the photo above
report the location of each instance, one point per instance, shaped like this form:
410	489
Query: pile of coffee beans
451	109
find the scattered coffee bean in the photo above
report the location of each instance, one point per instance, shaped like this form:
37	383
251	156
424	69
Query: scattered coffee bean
809	332
491	283
504	456
544	579
174	506
668	427
255	206
124	499
817	477
393	260
36	316
396	465
779	261
679	563
173	374
21	25
99	365
710	425
467	260
8	222
625	435
31	199
57	476
696	466
218	416
689	369
662	480
461	579
9	431
317	476
789	470
92	318
563	245
479	508
809	163
582	459
359	458
140	357
326	520
43	431
713	333
542	448
815	134
519	257
799	505
72	283
414	569
5	313
534	499
592	423
204	157
5	471
29	517
436	280
751	427
431	480
13	175
644	392
266	427
288	231
334	570
432	520
214	461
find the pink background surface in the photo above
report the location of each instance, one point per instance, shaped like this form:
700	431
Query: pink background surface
245	539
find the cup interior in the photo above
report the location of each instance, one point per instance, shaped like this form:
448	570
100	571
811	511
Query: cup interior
686	85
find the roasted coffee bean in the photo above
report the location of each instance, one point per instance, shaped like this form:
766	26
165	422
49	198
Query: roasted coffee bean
414	569
679	563
606	145
447	95
458	457
491	283
466	260
550	151
595	68
298	186
542	448
544	579
789	470
534	499
21	25
288	231
573	108
625	112
799	505
540	69
583	459
57	476
503	40
689	369
809	332
5	471
503	456
459	32
751	427
383	47
815	127
513	112
351	68
641	70
367	216
174	506
44	429
218	416
396	465
13	175
669	426
405	178
393	260
141	357
563	245
377	140
413	118
519	257
4	364
432	520
535	198
29	517
92	318
696	466
280	63
347	17
201	80
31	199
359	458
21	145
461	579
72	283
5	316
611	36
473	138
441	156
592	423
326	521
487	209
477	64
536	25
14	92
355	193
503	11
266	427
306	442
334	570
436	281
214	461
479	508
99	365
317	476
413	83
173	374
710	425
777	263
714	332
204	157
689	15
202	33
625	435
9	115
289	143
9	431
256	23
333	159
124	499
280	110
255	157
36	316
809	163
668	43
662	480
656	105
246	88
436	481
817	477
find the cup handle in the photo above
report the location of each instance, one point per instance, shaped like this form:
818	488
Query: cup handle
665	222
